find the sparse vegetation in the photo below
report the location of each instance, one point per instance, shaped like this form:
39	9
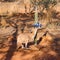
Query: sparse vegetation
13	21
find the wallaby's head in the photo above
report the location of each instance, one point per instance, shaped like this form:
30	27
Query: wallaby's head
22	29
33	30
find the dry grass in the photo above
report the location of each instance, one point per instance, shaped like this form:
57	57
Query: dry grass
47	49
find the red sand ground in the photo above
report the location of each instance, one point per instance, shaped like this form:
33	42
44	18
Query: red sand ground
47	49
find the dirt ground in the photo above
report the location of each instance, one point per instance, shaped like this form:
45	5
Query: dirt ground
48	47
47	51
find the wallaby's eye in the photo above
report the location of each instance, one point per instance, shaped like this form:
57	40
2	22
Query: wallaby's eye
30	31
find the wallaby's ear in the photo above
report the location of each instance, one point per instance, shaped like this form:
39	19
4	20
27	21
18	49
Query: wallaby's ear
22	29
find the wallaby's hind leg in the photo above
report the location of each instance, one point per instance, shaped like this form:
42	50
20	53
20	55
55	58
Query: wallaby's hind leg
26	45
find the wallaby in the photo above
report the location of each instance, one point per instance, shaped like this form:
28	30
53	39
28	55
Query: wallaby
26	37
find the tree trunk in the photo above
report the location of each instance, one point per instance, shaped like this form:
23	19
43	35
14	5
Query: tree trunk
36	15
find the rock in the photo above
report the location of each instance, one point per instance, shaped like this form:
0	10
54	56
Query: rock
33	47
46	40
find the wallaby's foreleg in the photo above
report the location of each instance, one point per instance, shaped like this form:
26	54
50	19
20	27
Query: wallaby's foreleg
22	46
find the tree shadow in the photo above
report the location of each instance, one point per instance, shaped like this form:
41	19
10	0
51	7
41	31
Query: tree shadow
12	49
57	44
40	39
